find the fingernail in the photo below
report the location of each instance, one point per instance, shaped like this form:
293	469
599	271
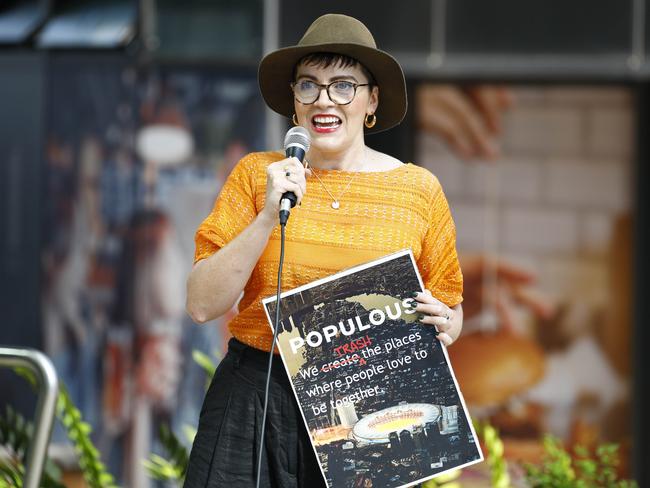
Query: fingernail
414	294
412	305
436	333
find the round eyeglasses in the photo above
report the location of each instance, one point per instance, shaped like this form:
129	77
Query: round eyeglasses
341	92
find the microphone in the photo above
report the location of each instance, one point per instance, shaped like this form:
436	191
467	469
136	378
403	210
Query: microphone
296	144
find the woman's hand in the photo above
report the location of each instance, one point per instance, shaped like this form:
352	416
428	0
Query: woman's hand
281	177
448	320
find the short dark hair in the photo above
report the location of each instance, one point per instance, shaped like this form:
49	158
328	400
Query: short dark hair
325	60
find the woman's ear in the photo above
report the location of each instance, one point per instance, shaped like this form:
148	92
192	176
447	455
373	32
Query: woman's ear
373	101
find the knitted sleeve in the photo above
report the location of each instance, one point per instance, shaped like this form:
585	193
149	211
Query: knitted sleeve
233	211
438	262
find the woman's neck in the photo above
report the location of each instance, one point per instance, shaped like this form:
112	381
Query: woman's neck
352	159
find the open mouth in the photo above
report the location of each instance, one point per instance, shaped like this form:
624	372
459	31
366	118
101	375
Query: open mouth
326	122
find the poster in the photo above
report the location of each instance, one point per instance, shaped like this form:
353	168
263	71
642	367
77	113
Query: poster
375	386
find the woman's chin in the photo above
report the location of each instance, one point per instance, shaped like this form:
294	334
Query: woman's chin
326	145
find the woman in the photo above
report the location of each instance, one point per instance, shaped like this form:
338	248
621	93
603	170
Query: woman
356	204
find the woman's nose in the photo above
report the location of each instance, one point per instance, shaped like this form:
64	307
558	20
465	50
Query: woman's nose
324	99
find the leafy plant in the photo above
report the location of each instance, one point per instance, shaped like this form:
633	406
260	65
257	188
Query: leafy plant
12	473
207	363
78	431
494	457
447	480
559	469
16	432
15	435
174	467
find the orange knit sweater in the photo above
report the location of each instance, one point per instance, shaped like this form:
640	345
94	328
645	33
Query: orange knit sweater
380	213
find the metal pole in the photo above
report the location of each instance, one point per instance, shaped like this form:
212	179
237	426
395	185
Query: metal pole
274	122
48	389
636	59
438	40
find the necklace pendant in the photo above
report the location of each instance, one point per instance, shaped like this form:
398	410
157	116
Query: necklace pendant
335	204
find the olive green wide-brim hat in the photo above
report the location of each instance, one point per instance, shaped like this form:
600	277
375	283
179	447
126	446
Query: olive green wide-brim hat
338	34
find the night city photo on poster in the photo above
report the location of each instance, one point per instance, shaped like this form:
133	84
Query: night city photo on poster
375	387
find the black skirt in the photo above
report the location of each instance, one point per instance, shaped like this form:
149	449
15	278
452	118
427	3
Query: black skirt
225	450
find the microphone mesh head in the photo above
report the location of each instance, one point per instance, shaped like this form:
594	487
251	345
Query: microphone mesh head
297	136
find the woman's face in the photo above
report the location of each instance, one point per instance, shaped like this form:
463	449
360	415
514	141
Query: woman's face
335	128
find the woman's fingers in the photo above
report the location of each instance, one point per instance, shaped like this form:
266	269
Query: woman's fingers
426	303
431	303
445	339
432	309
291	165
434	312
292	187
295	173
287	175
441	322
295	166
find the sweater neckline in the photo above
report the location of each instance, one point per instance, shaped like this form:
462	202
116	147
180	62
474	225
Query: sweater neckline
326	172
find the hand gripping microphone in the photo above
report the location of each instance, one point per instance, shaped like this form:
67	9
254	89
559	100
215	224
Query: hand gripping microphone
296	144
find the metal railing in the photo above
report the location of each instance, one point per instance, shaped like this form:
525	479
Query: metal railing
48	389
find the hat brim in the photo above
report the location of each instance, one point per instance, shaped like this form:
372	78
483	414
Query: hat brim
275	75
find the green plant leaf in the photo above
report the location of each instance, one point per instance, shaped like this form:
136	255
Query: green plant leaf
78	431
559	469
190	433
205	361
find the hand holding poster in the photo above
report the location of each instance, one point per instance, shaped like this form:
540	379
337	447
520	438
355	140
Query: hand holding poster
374	386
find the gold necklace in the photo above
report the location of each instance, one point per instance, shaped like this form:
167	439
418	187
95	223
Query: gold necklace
335	201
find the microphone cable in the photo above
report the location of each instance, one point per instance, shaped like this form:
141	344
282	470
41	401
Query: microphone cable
268	374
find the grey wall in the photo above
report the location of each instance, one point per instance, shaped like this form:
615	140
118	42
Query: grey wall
21	145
